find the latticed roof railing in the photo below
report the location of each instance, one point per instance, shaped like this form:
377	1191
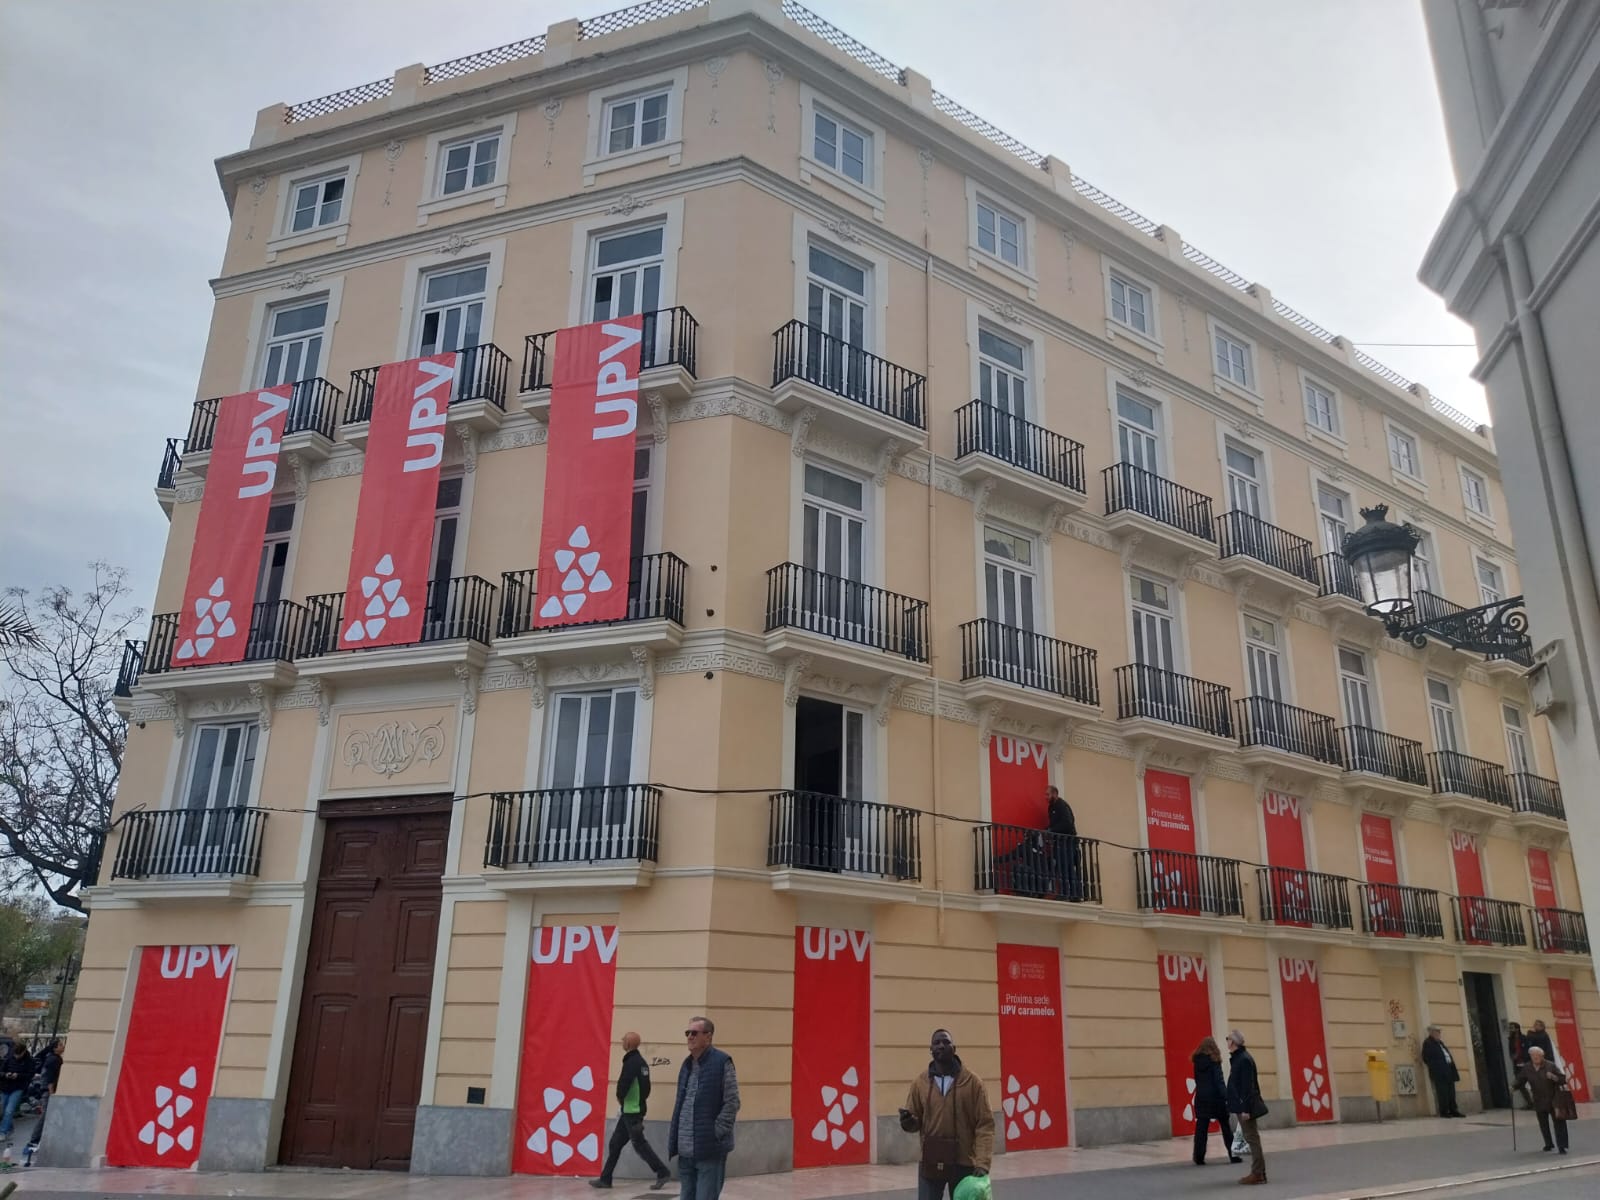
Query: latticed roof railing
841	41
334	102
634	14
484	59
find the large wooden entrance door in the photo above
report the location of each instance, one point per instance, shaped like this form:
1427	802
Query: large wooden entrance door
357	1070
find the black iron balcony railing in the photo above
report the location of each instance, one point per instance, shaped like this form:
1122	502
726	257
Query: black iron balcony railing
1134	489
1267	722
171	462
459	608
615	823
1176	699
1394	910
1560	931
1535	794
847	611
1242	533
1169	881
313	408
655	593
801	351
276	630
1429	606
1011	860
481	374
813	831
990	650
668	339
1483	921
181	842
1335	577
1453	773
130	667
984	429
1378	753
1289	896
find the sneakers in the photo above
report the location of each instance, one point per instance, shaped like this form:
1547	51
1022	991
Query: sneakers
661	1182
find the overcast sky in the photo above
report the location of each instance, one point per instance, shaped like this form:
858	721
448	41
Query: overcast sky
1299	143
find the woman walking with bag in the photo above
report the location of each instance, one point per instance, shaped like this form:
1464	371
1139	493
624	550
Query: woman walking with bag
1551	1099
1210	1101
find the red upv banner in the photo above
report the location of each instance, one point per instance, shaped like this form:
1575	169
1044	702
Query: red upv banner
1286	850
1019	774
219	596
831	1073
1185	1019
1469	883
1569	1042
1169	826
1309	1071
1542	884
585	538
1033	1052
566	1051
169	1058
386	597
1385	901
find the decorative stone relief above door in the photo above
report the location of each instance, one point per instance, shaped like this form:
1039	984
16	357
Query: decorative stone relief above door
403	748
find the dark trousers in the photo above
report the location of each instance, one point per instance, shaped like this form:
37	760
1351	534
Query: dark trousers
630	1128
1202	1133
1445	1089
933	1189
1561	1130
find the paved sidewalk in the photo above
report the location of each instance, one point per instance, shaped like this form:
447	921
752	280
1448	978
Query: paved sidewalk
1309	1163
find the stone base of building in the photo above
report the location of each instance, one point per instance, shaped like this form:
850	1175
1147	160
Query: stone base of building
69	1132
460	1141
1134	1123
236	1134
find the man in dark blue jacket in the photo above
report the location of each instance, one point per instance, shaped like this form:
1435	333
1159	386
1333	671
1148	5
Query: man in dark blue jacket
701	1134
633	1095
1244	1099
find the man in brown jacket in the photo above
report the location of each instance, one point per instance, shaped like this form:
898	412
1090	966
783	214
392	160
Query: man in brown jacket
949	1107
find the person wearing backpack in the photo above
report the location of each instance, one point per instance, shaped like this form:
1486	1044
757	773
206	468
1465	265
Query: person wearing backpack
1244	1100
633	1095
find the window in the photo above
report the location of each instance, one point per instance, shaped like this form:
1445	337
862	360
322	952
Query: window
446	524
469	163
1130	305
1002	373
588	770
999	233
1321	408
1422	569
839	144
1333	516
836	312
317	202
1137	433
1491	583
1265	668
1008	579
1442	714
452	309
1153	636
222	767
634	122
1233	359
1244	478
1355	686
625	274
831	831
1403	454
274	553
294	343
1519	753
834	524
1475	492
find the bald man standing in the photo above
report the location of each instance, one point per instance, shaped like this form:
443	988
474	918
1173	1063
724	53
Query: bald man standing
633	1093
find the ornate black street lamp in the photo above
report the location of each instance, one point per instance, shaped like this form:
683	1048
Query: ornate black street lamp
1381	555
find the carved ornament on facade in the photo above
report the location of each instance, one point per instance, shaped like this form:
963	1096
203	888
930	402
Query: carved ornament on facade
800	431
841	228
627	204
299	281
658	416
392	748
647	673
535	679
793	672
1009	313
455	243
887	453
263	696
469	448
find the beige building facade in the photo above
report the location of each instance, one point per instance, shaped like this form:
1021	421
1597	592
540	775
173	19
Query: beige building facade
954	478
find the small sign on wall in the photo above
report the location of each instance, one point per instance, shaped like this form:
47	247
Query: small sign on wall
1405	1079
1398	1028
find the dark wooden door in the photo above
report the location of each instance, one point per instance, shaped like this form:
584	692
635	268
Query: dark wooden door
357	1069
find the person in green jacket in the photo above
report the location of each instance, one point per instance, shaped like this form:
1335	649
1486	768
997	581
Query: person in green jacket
633	1094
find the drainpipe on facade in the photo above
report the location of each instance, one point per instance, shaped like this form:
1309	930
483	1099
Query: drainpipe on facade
933	571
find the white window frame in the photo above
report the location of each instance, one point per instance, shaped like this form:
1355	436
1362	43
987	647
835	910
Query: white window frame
1391	431
1249	389
1319	483
1150	338
1023	271
268	301
1524	731
872	512
980	317
597	157
1175	610
337	231
1428	552
813	170
267	341
1335	435
433	201
1038	569
1452	705
491	252
191	745
1279	647
1470	476
547	756
1479	562
1117	382
1369	660
1228	437
807	233
590	230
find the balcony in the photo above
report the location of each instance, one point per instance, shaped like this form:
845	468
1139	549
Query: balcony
182	853
1480	921
861	632
605	837
477	398
1384	771
1394	911
1432	607
1536	804
842	387
1560	931
1470	790
1034	676
831	846
1264	560
276	630
654	616
1173	712
458	621
1143	507
1018	460
1288	740
667	351
307	425
167	476
1337	590
1010	860
1190	885
1303	899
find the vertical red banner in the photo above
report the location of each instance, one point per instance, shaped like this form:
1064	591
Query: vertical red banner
1542	884
1309	1070
566	1051
1385	902
584	542
219	596
1019	774
1286	852
1469	884
169	1056
1033	1051
386	597
1169	826
1568	1041
1185	1019
831	1075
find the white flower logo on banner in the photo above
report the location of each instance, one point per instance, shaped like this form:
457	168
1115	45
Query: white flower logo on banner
214	623
1188	1109
381	591
556	1135
1315	1096
173	1106
840	1104
1022	1104
581	576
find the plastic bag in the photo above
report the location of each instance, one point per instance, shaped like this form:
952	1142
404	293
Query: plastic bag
1240	1147
973	1187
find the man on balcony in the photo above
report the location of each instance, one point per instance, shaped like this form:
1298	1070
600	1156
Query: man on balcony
1442	1070
1063	828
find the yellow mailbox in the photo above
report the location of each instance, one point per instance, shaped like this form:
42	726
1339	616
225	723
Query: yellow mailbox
1378	1075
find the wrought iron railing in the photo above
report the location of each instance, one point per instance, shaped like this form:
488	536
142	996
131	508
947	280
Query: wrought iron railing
813	831
613	823
179	842
1485	922
1506	623
1169	881
1378	753
1394	910
984	429
847	611
801	351
130	667
313	408
1176	699
991	650
1133	489
654	593
669	337
1291	896
276	630
171	462
1011	860
1243	534
1267	722
481	374
458	608
1560	931
1535	794
1453	773
1335	577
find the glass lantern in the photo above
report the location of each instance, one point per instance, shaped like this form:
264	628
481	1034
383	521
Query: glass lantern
1380	554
